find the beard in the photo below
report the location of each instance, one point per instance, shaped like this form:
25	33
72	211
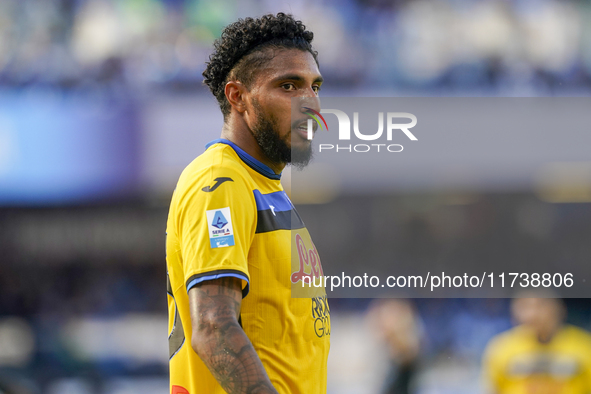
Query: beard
278	150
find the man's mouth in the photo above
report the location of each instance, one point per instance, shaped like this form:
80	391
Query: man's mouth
303	126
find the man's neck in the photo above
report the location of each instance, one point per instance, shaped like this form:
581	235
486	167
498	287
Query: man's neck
546	334
239	133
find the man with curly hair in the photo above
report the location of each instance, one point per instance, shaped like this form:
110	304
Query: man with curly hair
233	326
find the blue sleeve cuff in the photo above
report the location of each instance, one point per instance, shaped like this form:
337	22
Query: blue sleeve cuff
211	275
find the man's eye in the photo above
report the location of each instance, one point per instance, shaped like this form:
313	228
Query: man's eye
316	89
288	86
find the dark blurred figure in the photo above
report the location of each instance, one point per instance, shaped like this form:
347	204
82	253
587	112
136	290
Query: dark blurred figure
12	385
396	322
542	354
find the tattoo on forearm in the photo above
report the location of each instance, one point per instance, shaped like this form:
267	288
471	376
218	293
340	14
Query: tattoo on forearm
223	345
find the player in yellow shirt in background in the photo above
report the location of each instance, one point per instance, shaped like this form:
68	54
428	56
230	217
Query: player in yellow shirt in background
233	326
542	355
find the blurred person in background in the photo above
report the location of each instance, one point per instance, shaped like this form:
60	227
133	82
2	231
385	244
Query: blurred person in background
542	354
16	385
233	325
397	324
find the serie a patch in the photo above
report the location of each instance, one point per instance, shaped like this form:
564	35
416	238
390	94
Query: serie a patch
219	223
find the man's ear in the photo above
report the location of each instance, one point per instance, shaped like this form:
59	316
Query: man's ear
235	91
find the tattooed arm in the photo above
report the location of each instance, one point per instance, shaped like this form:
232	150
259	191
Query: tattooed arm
220	341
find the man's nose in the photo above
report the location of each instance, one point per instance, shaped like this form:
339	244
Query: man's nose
312	102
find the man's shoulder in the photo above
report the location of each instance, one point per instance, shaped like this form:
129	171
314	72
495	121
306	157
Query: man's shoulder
508	339
219	160
577	335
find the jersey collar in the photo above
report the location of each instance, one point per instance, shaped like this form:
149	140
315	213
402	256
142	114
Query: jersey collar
253	163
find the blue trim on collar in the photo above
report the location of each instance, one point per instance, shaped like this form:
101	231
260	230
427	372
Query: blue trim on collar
253	163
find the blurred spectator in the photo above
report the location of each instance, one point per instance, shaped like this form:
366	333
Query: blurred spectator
397	323
16	385
535	46
542	355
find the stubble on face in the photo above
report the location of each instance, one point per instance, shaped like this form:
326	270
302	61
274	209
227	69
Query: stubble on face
277	149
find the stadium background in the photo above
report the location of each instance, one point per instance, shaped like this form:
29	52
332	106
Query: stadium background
102	106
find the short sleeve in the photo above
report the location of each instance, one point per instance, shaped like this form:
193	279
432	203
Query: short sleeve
492	367
586	350
216	222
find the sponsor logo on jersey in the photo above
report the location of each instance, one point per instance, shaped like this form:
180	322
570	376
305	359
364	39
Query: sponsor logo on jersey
179	390
321	316
218	182
309	262
219	223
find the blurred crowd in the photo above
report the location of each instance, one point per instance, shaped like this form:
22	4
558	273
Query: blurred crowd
95	311
538	352
523	46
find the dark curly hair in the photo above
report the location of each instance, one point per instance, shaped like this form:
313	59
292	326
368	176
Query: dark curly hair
242	49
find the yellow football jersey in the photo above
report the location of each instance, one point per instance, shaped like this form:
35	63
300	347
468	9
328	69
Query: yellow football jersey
517	363
229	216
